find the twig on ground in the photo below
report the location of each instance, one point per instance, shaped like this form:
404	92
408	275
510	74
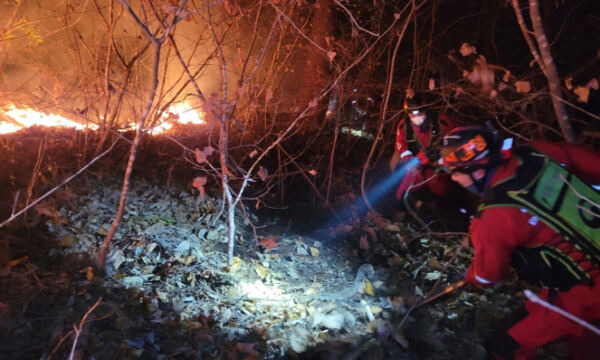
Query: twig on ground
79	328
67	180
62	339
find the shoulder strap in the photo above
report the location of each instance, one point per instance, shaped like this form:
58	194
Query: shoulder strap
412	143
553	194
435	129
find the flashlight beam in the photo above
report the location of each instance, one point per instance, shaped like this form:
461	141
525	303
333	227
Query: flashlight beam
374	195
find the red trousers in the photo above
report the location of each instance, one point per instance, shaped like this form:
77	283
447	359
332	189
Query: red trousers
535	325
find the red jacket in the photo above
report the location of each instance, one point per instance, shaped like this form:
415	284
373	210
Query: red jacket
446	124
501	230
497	232
439	184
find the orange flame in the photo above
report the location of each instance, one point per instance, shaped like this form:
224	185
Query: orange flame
25	117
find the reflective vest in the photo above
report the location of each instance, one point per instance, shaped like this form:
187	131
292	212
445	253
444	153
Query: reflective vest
562	201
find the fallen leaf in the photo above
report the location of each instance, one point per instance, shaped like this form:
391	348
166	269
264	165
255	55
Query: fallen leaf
523	86
333	320
89	273
467	49
369	290
314	251
269	243
331	55
237	263
482	75
199	183
208	150
393	228
434	275
583	94
569	83
200	156
299	338
301	250
263	173
261	271
15	262
67	240
313	172
431	84
364	243
375	309
44	209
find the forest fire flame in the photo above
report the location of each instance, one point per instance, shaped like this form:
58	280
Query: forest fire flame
24	117
27	117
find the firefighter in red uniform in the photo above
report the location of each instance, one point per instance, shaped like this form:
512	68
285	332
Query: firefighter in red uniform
418	135
539	215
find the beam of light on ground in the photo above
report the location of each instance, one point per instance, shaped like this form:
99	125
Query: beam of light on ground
358	208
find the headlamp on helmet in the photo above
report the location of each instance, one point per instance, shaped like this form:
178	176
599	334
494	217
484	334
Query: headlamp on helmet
416	107
466	149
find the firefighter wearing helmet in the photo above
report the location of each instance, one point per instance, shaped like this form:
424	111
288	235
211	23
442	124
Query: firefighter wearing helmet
540	215
419	135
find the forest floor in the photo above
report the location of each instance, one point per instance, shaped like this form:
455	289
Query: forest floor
167	292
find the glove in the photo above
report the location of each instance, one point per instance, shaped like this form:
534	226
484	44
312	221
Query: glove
407	181
429	155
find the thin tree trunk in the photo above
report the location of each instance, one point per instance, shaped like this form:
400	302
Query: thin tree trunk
131	161
315	64
550	71
545	62
157	43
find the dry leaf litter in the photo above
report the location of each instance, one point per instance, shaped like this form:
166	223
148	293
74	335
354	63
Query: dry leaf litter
304	296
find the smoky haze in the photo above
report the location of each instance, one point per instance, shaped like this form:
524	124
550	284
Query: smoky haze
62	57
